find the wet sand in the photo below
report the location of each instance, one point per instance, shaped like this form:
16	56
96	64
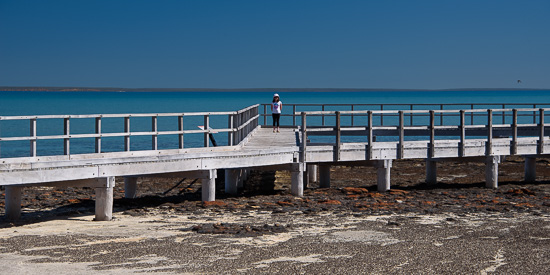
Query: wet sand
456	226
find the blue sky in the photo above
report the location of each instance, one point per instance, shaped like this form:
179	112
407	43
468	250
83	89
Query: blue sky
275	44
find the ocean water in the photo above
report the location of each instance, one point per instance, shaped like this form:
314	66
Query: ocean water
51	103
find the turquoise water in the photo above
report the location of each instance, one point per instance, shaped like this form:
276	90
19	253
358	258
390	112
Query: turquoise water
49	103
42	103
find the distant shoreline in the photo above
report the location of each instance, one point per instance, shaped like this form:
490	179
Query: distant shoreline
114	89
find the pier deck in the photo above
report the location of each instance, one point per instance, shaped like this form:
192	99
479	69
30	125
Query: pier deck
252	146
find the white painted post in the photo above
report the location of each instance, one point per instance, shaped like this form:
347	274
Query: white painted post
33	137
231	181
383	173
338	137
127	131
431	172
297	175
514	147
130	187
154	129
180	128
370	133
13	202
66	140
324	176
431	149
98	132
540	145
401	149
230	126
205	135
489	143
209	186
462	151
312	173
104	199
491	171
530	169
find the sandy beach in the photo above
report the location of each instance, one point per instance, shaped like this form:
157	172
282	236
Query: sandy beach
457	226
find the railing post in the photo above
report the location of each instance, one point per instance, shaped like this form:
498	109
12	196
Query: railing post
370	137
127	131
411	115
237	123
66	140
514	131
541	131
381	115
462	133
180	135
257	119
154	129
431	152
265	114
441	116
303	144
323	115
503	114
206	124
338	136
472	115
534	114
489	146
352	109
98	132
293	115
33	137
401	134
230	133
241	120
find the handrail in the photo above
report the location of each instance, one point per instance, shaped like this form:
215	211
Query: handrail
401	128
240	124
396	106
417	111
126	115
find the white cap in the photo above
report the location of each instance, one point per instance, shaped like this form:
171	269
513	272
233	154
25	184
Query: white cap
276	95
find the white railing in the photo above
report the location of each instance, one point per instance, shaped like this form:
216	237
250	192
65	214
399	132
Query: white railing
292	118
401	129
239	125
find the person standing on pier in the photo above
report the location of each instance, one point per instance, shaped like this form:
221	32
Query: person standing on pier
276	109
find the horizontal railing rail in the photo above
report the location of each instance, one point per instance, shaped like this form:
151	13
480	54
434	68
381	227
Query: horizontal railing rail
430	128
239	124
384	117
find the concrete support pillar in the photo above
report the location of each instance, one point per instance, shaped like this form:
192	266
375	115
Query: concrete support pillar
104	199
530	169
383	173
312	173
13	202
324	176
130	187
231	181
297	185
209	186
491	171
431	172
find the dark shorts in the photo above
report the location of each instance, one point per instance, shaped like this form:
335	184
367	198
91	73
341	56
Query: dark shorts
276	119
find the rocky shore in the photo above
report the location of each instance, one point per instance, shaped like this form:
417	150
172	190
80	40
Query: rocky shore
349	227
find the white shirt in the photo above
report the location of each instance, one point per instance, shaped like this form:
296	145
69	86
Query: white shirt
276	107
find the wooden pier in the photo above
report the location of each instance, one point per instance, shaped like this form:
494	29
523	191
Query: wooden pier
307	145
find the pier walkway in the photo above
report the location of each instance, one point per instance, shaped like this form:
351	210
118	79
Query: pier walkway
348	137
